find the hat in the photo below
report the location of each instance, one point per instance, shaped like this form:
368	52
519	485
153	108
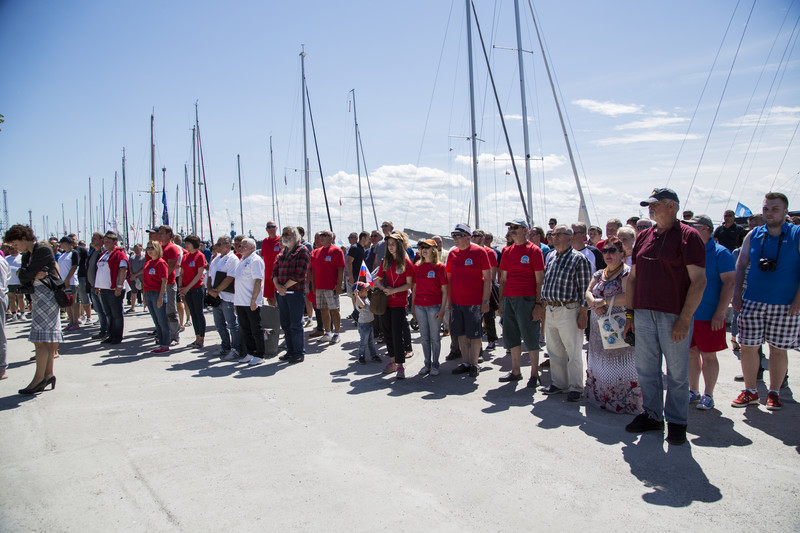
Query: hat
462	228
429	242
396	236
660	194
67	239
701	219
111	235
152	230
519	222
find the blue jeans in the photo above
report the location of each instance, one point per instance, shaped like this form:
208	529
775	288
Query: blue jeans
97	304
429	333
227	325
291	307
366	340
654	338
159	316
112	305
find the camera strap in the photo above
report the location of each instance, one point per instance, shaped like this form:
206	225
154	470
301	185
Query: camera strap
764	241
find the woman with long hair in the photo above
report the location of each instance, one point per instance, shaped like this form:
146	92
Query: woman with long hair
428	302
38	263
394	277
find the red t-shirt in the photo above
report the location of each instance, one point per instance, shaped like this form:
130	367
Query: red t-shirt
492	255
154	271
171	251
465	269
190	265
393	278
270	248
428	281
521	262
326	263
662	280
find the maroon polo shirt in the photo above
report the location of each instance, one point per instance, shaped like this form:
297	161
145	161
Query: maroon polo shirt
662	280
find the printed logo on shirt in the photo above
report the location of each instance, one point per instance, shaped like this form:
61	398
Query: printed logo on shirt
152	272
468	262
276	249
327	258
191	263
525	260
431	274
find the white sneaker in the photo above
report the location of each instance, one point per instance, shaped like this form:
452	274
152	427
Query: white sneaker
246	359
255	361
335	338
329	337
434	371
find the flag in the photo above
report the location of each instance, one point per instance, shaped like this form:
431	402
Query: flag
742	210
340	202
165	213
365	275
284	180
508	173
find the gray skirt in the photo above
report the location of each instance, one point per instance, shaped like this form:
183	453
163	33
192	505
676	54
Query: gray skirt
45	316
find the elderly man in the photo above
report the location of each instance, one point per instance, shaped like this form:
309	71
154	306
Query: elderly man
612	226
769	309
112	269
221	275
387	227
270	248
666	285
247	300
708	334
289	277
489	318
328	265
566	278
591	253
95	252
730	234
642	224
469	276
172	255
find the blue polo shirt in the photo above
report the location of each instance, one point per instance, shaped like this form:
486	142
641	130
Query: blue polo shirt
718	261
779	286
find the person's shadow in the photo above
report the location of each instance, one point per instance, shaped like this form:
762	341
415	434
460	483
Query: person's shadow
671	477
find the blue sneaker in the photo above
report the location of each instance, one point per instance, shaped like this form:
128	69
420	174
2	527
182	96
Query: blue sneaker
694	396
706	403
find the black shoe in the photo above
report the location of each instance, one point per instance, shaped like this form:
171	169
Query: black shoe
644	422
461	369
474	371
574	396
785	383
452	356
284	357
510	377
297	359
39	387
545	364
377	358
114	342
152	334
533	382
107	340
552	389
676	433
480	358
362	360
99	336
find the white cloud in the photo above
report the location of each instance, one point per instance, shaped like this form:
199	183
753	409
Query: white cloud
651	122
503	161
653	136
778	116
608	108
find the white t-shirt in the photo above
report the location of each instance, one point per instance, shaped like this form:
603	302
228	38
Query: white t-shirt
64	266
103	278
227	264
5	274
248	271
14	262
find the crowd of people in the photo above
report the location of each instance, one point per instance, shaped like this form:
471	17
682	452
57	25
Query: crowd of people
654	290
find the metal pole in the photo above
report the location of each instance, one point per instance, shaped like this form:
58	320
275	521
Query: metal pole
305	148
152	175
474	134
241	210
524	113
91	212
194	180
358	162
124	204
272	176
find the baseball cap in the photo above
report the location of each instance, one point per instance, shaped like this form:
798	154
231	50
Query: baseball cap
660	194
701	219
519	222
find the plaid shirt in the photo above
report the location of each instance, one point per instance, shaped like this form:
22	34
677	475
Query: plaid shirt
292	265
566	277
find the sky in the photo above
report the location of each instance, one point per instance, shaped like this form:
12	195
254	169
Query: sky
703	97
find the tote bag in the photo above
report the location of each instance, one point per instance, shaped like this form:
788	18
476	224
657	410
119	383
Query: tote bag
610	326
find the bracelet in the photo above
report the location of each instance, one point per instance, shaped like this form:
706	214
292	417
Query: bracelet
629	313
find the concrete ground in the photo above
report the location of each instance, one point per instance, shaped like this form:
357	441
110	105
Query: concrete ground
131	441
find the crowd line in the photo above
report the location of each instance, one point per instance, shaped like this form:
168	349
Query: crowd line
655	290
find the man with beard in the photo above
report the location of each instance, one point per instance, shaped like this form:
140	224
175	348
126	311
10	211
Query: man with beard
289	276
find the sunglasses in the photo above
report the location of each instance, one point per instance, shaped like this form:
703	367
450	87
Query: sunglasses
458	235
610	250
271	227
150	248
514	227
424	247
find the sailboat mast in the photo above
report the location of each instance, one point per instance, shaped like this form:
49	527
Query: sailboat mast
524	113
103	197
115	215
91	218
473	132
194	180
126	242
305	147
188	200
272	177
583	212
358	162
152	175
241	210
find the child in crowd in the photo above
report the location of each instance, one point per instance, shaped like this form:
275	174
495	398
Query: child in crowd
365	319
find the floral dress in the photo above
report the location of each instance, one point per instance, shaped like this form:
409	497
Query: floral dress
612	382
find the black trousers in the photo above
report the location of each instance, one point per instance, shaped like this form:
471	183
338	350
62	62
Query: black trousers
250	330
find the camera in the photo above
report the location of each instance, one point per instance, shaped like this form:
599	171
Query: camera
767	265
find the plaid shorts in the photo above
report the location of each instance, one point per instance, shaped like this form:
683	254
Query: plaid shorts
327	299
762	321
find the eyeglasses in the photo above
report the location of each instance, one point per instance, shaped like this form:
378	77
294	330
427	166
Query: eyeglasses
458	235
271	227
610	250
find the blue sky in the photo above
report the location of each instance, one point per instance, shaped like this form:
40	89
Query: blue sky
81	78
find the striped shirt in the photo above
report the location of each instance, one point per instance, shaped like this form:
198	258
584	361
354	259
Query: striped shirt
566	277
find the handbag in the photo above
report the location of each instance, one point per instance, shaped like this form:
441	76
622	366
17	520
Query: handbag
56	284
377	301
611	326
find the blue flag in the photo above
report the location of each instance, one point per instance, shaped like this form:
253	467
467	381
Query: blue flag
165	213
742	210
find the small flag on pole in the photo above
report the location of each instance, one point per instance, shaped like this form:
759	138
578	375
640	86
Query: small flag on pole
165	213
364	274
742	210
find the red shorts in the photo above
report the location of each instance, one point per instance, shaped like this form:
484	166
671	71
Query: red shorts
705	339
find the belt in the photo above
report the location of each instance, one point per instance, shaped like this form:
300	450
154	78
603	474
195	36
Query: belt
559	304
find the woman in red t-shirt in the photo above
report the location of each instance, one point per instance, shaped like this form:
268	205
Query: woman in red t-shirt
428	302
154	285
395	275
193	268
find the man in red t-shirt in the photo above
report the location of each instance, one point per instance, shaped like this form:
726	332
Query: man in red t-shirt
328	266
489	318
469	277
270	248
172	256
